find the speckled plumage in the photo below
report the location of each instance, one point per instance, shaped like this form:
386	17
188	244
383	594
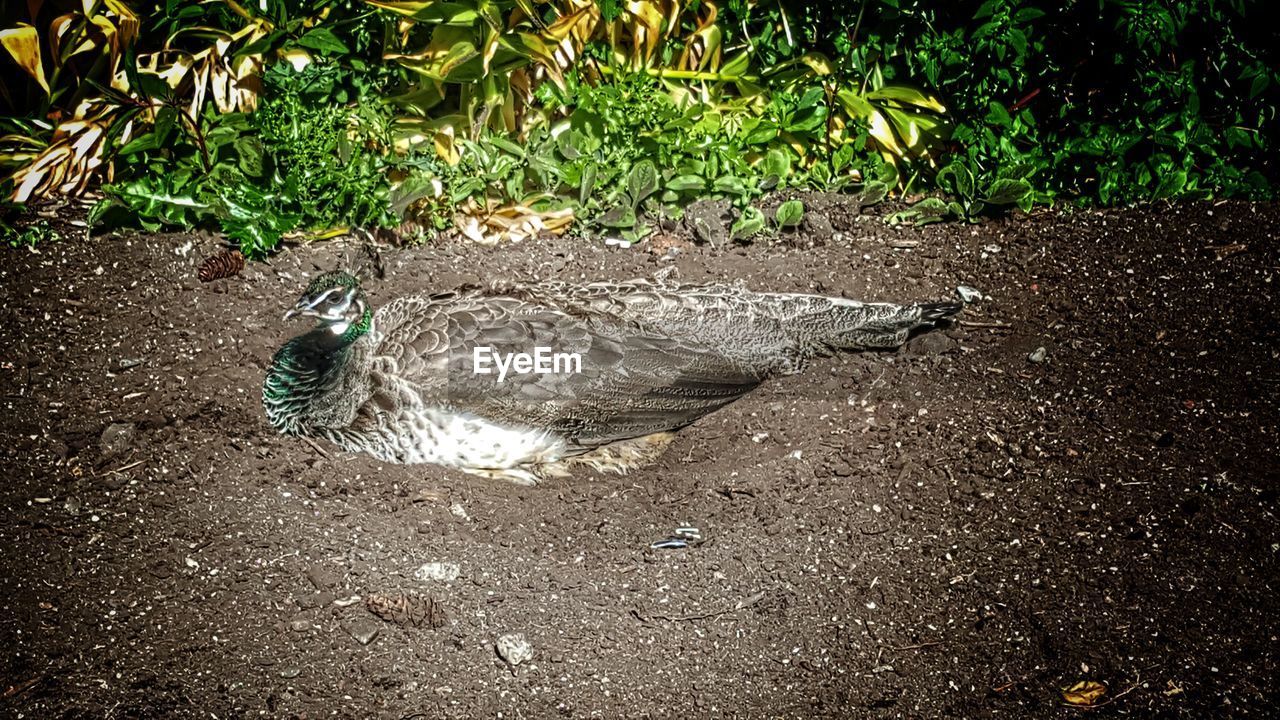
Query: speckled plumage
400	385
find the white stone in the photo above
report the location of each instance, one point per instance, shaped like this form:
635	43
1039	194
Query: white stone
438	571
514	648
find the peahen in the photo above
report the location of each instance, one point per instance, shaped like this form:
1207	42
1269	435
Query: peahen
600	375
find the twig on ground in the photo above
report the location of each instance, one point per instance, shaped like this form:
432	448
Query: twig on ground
981	324
15	690
131	465
922	645
316	446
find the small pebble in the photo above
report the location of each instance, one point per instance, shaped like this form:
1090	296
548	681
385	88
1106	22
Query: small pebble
968	294
1038	355
514	648
364	631
290	673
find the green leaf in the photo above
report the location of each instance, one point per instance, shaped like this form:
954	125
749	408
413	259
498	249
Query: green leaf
908	96
249	156
873	193
619	217
566	143
322	39
789	214
998	115
687	183
642	181
764	132
1260	83
736	65
777	163
957	179
731	185
430	11
928	210
750	222
1007	191
587	185
842	157
1171	184
503	143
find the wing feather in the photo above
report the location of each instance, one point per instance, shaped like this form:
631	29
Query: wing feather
633	381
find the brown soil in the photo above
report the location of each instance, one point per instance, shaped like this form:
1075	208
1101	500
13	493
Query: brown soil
951	530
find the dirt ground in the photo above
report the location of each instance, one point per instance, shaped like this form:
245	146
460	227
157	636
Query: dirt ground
951	530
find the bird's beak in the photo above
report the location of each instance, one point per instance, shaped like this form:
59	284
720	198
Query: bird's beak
297	310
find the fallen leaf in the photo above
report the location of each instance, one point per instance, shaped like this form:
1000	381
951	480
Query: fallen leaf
1085	693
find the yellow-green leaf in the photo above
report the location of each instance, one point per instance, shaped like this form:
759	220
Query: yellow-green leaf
450	47
817	62
430	11
736	65
23	43
856	105
908	96
879	128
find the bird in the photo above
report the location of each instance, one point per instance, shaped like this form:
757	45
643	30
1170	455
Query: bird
528	381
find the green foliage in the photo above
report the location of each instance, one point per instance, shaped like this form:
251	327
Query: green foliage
329	113
750	222
30	236
300	162
789	214
1166	100
1110	101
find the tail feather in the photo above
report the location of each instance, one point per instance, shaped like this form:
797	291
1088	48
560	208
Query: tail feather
933	312
840	324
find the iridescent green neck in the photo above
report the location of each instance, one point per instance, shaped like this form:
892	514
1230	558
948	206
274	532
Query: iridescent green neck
306	369
358	328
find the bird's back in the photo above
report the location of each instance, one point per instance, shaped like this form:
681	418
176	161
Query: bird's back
621	377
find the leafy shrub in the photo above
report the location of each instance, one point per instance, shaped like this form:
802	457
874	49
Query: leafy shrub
1165	100
298	162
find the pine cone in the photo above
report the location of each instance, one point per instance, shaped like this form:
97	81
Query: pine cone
406	608
221	265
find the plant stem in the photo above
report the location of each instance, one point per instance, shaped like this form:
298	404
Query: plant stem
199	137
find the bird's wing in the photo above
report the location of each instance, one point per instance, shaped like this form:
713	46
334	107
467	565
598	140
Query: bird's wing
626	381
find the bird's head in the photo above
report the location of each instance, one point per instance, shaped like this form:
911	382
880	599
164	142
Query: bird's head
335	300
